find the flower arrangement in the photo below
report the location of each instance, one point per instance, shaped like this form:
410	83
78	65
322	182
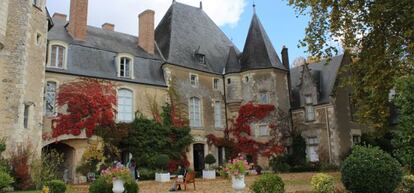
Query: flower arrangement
118	172
237	167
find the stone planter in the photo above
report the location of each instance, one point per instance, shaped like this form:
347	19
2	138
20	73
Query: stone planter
238	183
209	174
118	186
162	177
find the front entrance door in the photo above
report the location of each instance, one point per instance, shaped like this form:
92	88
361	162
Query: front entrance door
198	155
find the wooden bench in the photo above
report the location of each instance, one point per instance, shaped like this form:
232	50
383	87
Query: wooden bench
189	179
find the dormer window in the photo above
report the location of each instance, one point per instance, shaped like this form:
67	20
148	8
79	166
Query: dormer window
57	55
125	66
201	58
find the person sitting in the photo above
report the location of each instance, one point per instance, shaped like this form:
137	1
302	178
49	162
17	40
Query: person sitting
182	171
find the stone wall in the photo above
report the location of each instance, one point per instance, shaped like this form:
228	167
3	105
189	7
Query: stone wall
22	62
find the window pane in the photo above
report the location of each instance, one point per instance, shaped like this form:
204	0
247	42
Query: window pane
217	114
53	56
194	114
264	98
60	58
50	99
125	105
26	116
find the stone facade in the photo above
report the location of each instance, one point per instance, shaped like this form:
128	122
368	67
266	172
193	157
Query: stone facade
323	113
22	61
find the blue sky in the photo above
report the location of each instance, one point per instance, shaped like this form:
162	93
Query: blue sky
280	22
233	17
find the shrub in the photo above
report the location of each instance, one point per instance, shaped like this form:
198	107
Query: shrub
162	161
5	180
100	185
370	170
210	159
279	163
407	184
47	168
19	161
323	183
56	186
146	174
268	183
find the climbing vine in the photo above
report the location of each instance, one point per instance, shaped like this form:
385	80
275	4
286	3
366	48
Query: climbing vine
242	140
88	103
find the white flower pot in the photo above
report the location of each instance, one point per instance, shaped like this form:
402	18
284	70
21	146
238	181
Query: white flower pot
162	177
238	183
209	174
118	186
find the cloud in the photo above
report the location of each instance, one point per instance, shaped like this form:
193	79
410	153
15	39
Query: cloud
124	13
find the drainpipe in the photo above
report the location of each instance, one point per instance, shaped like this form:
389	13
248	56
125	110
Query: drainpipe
329	134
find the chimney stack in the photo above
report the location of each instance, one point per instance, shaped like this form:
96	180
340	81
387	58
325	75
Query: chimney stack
60	16
108	26
146	36
285	57
78	19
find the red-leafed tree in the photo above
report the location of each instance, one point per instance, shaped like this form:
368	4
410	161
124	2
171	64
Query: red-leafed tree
242	140
87	103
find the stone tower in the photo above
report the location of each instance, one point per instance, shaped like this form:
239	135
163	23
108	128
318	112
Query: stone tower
23	30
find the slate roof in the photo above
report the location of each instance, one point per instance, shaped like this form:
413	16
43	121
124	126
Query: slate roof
95	56
324	74
258	51
185	30
232	64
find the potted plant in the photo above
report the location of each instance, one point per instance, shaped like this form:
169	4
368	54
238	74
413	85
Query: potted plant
209	173
161	162
237	169
118	176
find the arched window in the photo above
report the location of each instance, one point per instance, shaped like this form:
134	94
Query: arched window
50	98
57	56
125	105
194	112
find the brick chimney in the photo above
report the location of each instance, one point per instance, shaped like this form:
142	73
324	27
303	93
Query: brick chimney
108	26
60	16
78	19
285	57
146	36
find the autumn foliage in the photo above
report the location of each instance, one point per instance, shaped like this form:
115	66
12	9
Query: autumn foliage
88	103
241	138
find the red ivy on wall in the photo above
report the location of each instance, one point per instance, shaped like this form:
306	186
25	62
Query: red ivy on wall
88	103
241	139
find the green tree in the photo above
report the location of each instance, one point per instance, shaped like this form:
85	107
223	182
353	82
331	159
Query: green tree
379	34
404	140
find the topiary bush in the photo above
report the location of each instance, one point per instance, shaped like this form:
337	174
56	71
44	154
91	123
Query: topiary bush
5	180
323	183
210	159
56	186
370	170
407	184
162	161
268	183
102	186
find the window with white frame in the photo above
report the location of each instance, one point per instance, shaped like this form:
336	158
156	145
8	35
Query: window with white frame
264	97
50	98
195	112
125	67
312	144
216	83
125	106
262	130
194	79
310	113
309	109
57	55
217	114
